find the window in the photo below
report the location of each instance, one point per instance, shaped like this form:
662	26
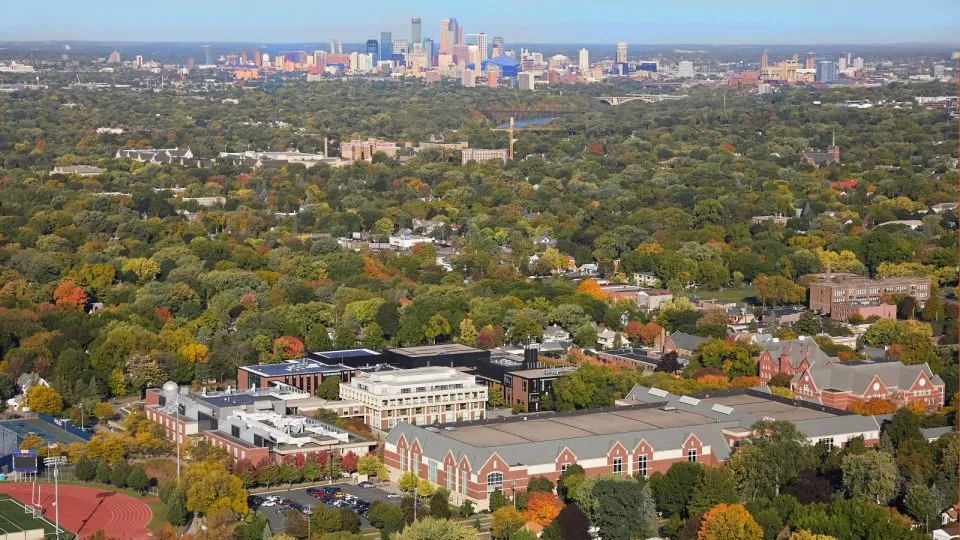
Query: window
564	467
494	482
828	441
692	454
450	473
642	466
463	481
403	460
432	471
617	466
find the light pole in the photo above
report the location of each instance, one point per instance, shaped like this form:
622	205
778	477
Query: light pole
56	496
82	424
176	432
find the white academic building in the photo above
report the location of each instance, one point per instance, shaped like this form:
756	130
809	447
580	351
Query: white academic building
422	396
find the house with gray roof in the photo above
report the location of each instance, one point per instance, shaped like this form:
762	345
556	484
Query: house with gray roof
683	344
843	384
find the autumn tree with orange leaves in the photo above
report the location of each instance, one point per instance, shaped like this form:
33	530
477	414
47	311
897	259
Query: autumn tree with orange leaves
729	522
591	288
288	347
542	508
872	407
68	295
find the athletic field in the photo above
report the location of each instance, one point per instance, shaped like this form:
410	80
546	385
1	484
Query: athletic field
13	519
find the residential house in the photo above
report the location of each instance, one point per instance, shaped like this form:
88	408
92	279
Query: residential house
653	299
782	316
609	339
683	344
944	207
645	279
79	170
405	239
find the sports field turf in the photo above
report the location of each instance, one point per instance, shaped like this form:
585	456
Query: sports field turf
13	518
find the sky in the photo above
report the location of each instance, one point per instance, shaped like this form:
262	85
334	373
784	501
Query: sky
708	22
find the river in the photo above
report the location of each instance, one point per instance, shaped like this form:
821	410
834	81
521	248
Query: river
538	121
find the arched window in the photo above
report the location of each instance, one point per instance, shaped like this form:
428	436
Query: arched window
494	482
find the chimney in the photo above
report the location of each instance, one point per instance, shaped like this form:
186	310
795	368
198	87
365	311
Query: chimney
530	353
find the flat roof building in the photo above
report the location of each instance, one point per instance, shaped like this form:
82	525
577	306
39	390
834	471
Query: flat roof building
831	289
426	395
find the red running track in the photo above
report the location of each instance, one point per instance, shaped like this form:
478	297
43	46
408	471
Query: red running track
85	510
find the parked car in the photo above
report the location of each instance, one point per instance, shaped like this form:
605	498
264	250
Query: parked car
254	501
366	484
394	495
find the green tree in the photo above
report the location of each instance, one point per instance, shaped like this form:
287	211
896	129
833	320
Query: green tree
436	529
771	459
871	475
437	326
468	333
498	500
673	490
386	517
716	485
922	505
440	504
329	388
625	510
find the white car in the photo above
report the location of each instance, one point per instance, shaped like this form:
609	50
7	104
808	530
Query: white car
268	502
394	495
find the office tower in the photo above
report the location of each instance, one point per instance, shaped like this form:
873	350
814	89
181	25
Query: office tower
939	71
319	58
584	63
336	47
450	35
858	63
400	46
191	63
685	69
469	79
526	81
810	62
428	49
461	54
207	54
764	59
482	46
849	61
139	61
386	46
373	49
492	78
826	71
497	47
841	63
622	52
244	59
416	30
114	57
257	57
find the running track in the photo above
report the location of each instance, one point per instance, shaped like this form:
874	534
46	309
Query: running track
85	510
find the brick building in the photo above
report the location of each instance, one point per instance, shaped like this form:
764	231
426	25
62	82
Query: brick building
831	289
842	384
525	381
657	429
364	150
843	312
252	424
788	356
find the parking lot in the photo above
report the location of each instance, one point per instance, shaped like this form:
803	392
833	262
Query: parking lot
275	514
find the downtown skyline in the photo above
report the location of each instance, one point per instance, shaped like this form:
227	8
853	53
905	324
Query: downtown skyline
690	22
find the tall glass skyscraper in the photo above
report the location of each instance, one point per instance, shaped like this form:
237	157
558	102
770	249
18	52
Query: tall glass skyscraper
373	49
416	31
386	46
826	71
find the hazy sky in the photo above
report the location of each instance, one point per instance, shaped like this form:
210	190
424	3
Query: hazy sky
557	21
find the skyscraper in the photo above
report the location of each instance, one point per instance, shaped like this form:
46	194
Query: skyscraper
401	46
386	46
208	55
811	61
336	47
497	45
764	59
450	35
428	50
826	71
373	49
482	46
622	52
257	57
584	63
685	69
416	30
